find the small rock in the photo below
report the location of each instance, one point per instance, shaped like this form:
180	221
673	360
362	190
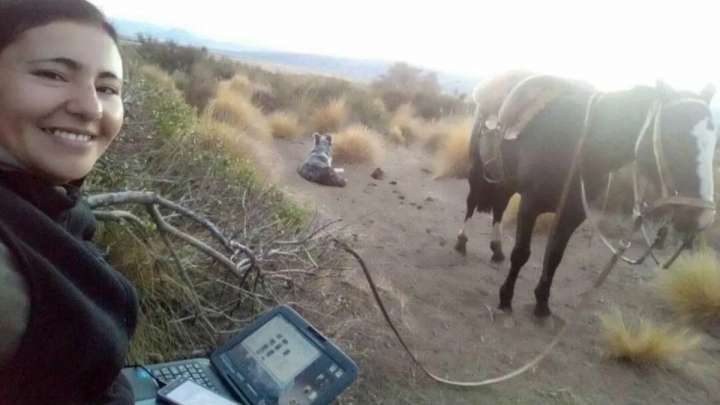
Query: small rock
413	204
402	197
419	207
395	191
378	174
428	199
393	182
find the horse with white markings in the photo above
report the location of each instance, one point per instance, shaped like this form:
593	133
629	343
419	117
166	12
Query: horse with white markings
530	133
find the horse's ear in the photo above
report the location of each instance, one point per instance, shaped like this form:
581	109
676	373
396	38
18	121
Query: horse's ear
708	92
317	138
663	88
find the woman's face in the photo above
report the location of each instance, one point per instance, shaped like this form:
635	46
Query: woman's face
60	102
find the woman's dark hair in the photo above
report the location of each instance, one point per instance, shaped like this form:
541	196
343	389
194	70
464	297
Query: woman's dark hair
18	16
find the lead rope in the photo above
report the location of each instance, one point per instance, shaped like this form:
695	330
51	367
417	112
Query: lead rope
574	316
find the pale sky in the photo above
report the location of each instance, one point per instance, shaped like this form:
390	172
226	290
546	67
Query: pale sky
613	44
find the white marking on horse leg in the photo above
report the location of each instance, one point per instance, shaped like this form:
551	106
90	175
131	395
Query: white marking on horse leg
496	232
705	138
466	227
462	229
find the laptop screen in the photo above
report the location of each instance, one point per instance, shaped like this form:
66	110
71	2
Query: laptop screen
279	349
282	362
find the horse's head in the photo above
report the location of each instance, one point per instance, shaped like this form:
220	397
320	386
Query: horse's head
676	153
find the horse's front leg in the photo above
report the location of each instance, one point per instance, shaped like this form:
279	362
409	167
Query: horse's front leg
527	216
569	221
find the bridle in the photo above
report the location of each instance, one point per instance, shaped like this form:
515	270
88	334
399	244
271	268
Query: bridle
669	193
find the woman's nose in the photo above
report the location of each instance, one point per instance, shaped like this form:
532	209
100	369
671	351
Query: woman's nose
84	102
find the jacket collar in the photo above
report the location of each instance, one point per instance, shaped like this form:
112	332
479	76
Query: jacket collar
8	161
49	199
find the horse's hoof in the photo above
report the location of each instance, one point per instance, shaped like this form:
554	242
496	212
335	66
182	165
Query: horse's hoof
461	245
551	323
497	258
496	248
545	319
505	317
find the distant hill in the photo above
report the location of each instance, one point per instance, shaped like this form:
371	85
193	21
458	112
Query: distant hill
358	69
130	29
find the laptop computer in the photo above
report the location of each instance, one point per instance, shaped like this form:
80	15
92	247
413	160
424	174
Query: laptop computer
279	358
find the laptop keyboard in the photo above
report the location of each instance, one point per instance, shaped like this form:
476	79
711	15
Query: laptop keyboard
192	370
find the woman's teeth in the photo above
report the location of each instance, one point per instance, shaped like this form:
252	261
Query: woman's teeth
69	135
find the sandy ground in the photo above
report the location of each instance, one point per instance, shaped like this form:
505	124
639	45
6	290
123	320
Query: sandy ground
404	226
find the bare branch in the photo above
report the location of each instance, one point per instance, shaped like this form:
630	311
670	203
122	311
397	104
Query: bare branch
208	250
150	199
117	215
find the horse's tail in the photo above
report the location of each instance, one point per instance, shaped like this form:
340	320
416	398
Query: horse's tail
481	193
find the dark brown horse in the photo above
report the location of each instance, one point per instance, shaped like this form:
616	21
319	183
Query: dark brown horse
536	162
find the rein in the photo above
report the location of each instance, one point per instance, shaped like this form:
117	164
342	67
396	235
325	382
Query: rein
669	194
588	296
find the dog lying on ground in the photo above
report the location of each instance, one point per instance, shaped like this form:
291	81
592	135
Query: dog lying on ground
317	167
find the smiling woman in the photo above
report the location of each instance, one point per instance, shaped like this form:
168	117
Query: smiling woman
66	316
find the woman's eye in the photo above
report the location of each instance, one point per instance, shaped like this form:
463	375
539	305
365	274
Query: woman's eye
49	75
108	90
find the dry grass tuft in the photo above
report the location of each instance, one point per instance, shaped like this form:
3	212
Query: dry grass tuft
691	286
158	76
395	136
357	144
238	145
644	341
410	126
240	113
452	159
284	124
439	131
542	225
330	117
239	85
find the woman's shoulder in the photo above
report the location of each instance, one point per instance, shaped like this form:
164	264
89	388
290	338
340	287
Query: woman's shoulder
14	304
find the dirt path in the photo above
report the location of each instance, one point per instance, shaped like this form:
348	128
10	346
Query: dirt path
406	232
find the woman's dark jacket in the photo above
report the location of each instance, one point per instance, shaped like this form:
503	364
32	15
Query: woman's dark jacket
82	311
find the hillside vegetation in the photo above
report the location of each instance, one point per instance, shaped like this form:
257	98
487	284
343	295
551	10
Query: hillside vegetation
206	131
200	131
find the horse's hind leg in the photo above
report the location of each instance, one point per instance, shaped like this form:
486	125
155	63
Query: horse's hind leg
499	206
554	251
462	239
472	202
527	216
